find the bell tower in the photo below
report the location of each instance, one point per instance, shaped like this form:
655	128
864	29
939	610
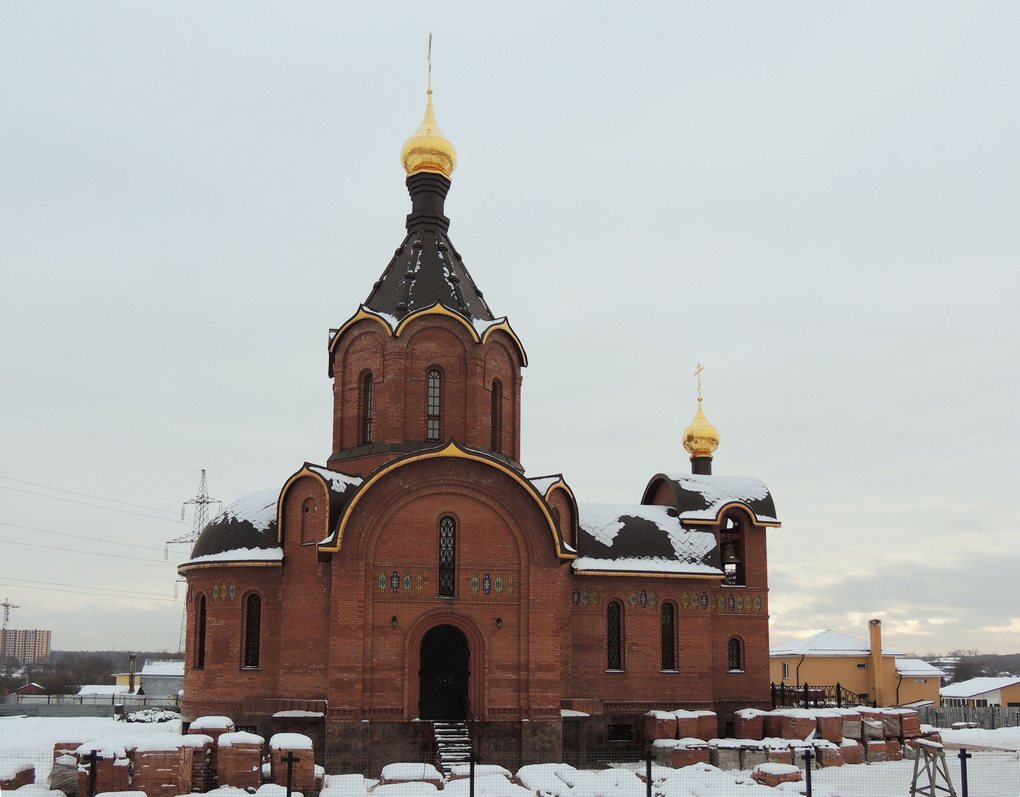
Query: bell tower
424	360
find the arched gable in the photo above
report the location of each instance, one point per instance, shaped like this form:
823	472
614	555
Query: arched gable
479	330
451	451
333	487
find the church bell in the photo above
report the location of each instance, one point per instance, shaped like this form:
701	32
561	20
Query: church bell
729	553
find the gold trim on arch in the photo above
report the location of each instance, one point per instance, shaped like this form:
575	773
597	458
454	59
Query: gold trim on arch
433	309
184	568
305	471
450	451
775	524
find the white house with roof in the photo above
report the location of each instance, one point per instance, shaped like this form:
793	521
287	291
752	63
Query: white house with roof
983	692
885	677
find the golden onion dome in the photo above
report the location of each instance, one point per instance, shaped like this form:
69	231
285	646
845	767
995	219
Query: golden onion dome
701	439
428	150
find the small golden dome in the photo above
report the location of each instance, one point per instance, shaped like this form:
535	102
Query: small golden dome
428	150
701	439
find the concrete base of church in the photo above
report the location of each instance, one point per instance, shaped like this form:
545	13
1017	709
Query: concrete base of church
366	747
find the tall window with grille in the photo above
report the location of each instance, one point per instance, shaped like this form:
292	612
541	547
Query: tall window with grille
433	412
614	636
367	407
667	631
200	621
447	557
497	416
735	654
252	630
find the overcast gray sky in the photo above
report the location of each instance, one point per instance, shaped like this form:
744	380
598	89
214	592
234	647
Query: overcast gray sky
818	200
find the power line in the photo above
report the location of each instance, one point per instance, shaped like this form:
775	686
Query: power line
84	586
86	503
99	594
89	495
98	440
86	553
80	536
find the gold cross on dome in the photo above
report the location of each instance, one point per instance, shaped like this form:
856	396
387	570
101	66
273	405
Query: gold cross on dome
430	63
697	373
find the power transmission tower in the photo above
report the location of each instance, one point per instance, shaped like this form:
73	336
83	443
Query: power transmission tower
3	633
201	503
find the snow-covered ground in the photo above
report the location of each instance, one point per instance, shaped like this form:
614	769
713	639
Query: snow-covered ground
992	773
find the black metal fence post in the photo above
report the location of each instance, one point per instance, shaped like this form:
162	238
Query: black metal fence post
772	692
806	705
808	756
471	774
839	695
290	760
963	755
648	771
93	764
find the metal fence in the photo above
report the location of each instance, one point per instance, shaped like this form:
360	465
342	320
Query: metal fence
981	774
988	717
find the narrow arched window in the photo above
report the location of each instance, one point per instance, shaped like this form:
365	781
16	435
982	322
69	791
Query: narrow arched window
735	655
433	412
367	407
200	621
447	557
614	636
497	416
252	630
667	632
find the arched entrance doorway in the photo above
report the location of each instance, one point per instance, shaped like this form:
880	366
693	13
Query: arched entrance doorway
444	674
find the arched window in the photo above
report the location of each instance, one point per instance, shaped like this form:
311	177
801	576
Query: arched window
433	413
667	631
614	636
200	621
735	655
367	407
311	529
731	551
497	416
447	557
252	630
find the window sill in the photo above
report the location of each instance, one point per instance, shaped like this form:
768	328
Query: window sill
737	672
734	586
669	670
251	669
615	671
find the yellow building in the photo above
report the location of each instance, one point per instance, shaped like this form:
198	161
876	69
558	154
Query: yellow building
1003	691
884	677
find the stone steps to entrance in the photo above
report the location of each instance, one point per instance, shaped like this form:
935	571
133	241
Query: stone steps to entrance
453	744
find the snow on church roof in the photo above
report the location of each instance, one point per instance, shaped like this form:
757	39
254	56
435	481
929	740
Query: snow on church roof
717	491
244	531
827	643
641	538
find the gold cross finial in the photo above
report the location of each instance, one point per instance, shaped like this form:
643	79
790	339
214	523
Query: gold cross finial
697	373
430	63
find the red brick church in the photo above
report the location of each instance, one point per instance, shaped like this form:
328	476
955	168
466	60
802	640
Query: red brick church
420	573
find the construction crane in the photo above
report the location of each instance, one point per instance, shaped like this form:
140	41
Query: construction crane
3	633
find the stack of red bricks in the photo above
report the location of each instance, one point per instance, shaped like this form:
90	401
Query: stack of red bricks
836	736
239	760
203	774
212	727
679	738
14	776
295	748
112	767
162	767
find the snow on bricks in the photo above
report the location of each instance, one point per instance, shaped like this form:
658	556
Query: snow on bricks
295	748
239	760
14	776
774	774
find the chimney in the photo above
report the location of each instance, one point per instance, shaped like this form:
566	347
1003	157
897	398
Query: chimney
132	664
875	662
